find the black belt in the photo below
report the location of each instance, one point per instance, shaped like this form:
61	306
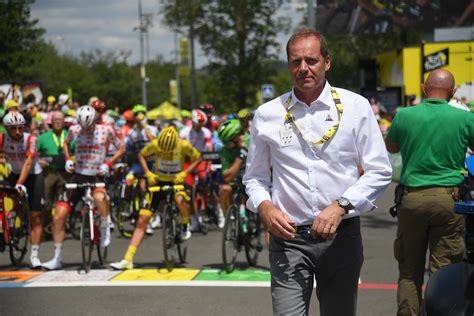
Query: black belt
305	230
432	188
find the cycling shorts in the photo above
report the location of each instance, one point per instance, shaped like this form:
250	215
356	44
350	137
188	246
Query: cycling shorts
35	187
70	198
157	197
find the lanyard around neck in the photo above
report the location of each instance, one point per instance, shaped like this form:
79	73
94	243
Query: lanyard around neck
290	119
59	143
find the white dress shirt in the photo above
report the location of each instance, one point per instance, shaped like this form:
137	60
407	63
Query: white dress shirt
306	178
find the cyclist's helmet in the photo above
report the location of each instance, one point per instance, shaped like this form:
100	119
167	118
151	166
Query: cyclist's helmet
128	115
244	113
199	117
98	105
85	116
168	139
229	129
13	119
207	108
138	108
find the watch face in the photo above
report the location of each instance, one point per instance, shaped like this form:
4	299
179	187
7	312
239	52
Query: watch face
344	202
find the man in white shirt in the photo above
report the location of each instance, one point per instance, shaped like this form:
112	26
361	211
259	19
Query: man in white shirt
303	178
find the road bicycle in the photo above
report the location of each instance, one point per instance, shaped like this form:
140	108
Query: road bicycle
127	201
242	229
14	224
90	232
205	194
173	245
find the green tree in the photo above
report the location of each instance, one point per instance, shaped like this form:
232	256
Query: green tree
19	37
238	37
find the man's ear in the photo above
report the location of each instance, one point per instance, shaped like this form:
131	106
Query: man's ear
423	89
327	63
453	92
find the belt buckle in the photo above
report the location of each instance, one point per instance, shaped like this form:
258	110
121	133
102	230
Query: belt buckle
304	231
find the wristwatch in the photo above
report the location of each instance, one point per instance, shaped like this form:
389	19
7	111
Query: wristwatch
345	204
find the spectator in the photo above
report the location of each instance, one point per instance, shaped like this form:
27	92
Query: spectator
433	138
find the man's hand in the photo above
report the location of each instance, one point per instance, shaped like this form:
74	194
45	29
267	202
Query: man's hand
275	221
104	170
326	223
70	166
151	178
44	163
21	189
179	177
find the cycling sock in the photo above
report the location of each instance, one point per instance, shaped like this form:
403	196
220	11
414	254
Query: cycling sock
103	222
34	251
130	253
185	220
58	248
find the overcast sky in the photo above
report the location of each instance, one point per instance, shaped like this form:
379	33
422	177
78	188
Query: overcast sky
84	25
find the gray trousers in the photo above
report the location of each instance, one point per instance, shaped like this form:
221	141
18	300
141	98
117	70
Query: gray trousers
334	263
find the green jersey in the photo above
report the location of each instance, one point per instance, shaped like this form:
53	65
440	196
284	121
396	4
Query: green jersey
433	138
228	157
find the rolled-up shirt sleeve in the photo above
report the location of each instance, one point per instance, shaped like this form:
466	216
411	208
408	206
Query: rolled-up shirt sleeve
373	159
257	178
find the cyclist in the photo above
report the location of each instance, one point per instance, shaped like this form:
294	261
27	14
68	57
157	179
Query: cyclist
209	110
169	151
245	117
140	136
129	122
91	142
20	151
200	137
233	156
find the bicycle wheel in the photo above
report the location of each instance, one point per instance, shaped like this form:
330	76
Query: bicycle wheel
126	218
19	236
253	238
102	254
202	222
169	237
74	224
87	243
230	242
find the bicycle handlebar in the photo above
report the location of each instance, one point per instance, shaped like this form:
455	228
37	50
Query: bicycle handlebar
85	185
9	190
176	187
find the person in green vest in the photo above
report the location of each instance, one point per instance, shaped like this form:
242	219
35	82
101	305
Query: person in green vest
432	138
52	159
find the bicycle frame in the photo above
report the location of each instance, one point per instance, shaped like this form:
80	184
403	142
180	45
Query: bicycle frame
5	226
172	242
88	200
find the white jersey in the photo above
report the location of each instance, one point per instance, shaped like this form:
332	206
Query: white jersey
199	139
91	148
16	152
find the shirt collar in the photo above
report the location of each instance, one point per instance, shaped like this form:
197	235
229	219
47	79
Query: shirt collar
325	97
435	101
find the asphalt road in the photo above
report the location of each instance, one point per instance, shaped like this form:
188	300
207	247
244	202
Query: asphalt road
377	294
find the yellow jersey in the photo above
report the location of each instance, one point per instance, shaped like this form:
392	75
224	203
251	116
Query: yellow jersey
167	165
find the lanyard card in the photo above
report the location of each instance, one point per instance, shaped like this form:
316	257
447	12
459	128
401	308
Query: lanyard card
286	135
